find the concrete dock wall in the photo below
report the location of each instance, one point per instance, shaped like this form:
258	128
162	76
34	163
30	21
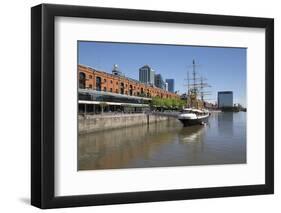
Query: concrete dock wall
93	123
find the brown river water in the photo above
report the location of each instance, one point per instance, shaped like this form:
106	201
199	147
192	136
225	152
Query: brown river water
167	143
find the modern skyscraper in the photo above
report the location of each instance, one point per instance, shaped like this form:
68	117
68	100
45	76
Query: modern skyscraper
146	75
171	84
225	99
159	81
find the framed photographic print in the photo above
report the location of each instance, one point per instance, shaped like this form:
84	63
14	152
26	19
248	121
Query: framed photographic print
139	106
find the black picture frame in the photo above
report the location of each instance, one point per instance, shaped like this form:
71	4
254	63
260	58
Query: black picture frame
43	102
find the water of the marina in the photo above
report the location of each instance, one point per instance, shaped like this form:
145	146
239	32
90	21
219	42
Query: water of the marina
167	143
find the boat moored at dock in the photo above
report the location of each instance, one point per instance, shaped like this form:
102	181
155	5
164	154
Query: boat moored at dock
191	116
195	112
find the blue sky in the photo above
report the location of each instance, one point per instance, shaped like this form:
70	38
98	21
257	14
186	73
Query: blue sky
224	68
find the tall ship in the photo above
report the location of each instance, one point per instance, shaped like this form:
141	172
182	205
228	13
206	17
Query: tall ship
195	112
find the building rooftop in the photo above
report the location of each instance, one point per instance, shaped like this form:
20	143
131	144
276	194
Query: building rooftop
91	91
122	76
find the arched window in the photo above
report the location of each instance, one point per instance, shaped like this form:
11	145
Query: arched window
82	80
98	83
122	88
131	90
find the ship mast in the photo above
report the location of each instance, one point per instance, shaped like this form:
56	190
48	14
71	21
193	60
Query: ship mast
187	93
195	88
194	74
203	85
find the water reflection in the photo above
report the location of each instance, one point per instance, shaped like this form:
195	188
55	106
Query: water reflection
222	141
192	134
225	123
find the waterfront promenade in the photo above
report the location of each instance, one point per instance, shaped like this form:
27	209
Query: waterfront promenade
89	123
107	121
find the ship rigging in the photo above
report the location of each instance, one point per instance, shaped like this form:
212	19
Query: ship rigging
195	111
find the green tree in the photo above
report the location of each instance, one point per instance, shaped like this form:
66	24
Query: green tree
168	103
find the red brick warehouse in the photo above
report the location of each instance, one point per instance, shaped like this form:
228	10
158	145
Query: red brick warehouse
90	78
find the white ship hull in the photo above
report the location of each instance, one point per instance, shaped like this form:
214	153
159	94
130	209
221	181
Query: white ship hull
197	121
193	117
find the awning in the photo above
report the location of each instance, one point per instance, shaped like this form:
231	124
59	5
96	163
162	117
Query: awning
112	103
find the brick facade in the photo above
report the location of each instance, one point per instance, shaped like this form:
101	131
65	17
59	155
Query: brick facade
90	78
